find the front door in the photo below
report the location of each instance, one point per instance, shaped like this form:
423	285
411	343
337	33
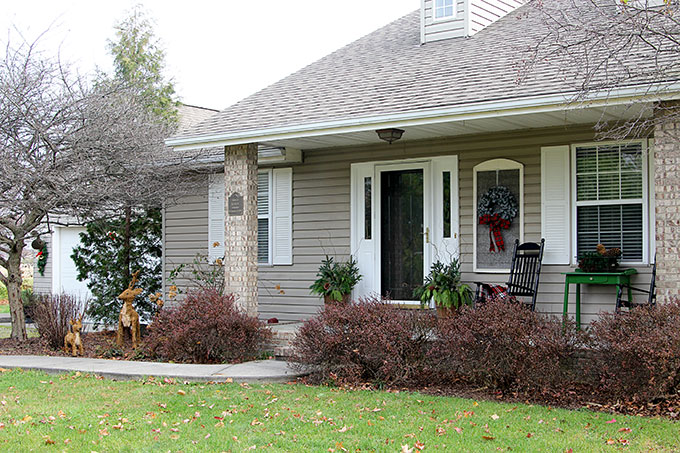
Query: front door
404	217
402	227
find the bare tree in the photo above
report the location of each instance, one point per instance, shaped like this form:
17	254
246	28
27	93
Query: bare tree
604	46
72	148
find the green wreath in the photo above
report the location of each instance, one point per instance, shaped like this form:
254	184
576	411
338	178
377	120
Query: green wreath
497	208
498	200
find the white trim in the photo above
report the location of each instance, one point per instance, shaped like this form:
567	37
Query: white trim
644	199
490	165
470	111
422	22
652	200
163	251
56	263
269	216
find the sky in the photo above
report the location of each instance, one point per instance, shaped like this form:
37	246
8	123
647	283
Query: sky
217	52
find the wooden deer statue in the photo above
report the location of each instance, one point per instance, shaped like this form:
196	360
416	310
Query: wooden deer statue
72	339
129	319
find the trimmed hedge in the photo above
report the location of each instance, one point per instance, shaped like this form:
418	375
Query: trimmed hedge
206	327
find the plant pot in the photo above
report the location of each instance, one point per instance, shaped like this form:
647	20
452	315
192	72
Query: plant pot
445	312
345	300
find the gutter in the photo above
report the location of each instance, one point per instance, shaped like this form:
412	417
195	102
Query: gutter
471	111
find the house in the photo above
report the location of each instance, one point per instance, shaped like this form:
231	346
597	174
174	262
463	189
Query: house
60	274
306	174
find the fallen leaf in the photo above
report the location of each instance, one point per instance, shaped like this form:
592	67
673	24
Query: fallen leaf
625	430
613	420
624	441
49	441
419	445
611	441
488	437
405	449
495	417
343	429
457	429
530	435
174	436
181	392
440	431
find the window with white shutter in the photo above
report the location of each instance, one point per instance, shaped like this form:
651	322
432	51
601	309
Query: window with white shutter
611	200
274	217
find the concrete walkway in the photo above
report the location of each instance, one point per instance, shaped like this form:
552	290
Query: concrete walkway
261	371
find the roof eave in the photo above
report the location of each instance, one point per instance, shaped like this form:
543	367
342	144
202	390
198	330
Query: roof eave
463	112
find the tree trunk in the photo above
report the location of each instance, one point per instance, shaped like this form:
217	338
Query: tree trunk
14	281
126	244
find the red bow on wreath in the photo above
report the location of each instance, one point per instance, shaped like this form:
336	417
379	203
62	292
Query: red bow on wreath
495	222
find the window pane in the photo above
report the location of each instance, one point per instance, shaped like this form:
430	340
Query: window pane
368	214
608	186
586	187
447	204
263	194
631	185
586	160
613	226
263	240
608	158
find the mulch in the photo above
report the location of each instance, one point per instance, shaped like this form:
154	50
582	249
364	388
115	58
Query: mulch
97	345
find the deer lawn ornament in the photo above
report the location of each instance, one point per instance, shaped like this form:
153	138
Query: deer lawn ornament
72	339
129	319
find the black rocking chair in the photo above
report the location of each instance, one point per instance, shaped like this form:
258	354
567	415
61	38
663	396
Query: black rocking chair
629	304
525	271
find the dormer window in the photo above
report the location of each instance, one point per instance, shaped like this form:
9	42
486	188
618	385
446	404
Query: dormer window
444	9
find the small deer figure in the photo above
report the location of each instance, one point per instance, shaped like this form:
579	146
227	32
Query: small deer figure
129	319
72	339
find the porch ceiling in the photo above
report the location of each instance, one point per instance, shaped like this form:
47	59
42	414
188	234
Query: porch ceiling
451	128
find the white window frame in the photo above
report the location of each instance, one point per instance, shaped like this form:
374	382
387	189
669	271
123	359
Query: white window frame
498	164
269	216
646	227
435	18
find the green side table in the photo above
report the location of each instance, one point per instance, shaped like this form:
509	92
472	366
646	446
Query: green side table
578	277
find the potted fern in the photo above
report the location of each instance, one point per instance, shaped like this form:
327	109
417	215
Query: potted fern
443	286
336	280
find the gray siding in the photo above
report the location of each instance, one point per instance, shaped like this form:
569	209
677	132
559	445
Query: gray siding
43	284
321	213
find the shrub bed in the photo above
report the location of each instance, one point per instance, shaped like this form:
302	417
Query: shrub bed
505	346
637	353
52	313
206	327
369	341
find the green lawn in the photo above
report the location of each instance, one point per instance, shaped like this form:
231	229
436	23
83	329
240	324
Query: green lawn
4	308
79	413
6	331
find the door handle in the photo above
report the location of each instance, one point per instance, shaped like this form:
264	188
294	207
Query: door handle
427	235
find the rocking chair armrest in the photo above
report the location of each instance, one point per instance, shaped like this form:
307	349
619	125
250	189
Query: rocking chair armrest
516	286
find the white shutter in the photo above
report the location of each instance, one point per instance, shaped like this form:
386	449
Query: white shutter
282	216
216	224
555	209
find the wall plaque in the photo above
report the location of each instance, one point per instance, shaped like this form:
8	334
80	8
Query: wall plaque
235	207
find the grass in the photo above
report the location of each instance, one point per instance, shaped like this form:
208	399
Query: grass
81	413
4	308
6	331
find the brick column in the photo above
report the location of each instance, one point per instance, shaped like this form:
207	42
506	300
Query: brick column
667	195
240	237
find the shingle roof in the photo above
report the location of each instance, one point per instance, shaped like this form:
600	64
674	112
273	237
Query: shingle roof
389	71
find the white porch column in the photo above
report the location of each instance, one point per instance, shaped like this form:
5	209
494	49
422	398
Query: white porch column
240	238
